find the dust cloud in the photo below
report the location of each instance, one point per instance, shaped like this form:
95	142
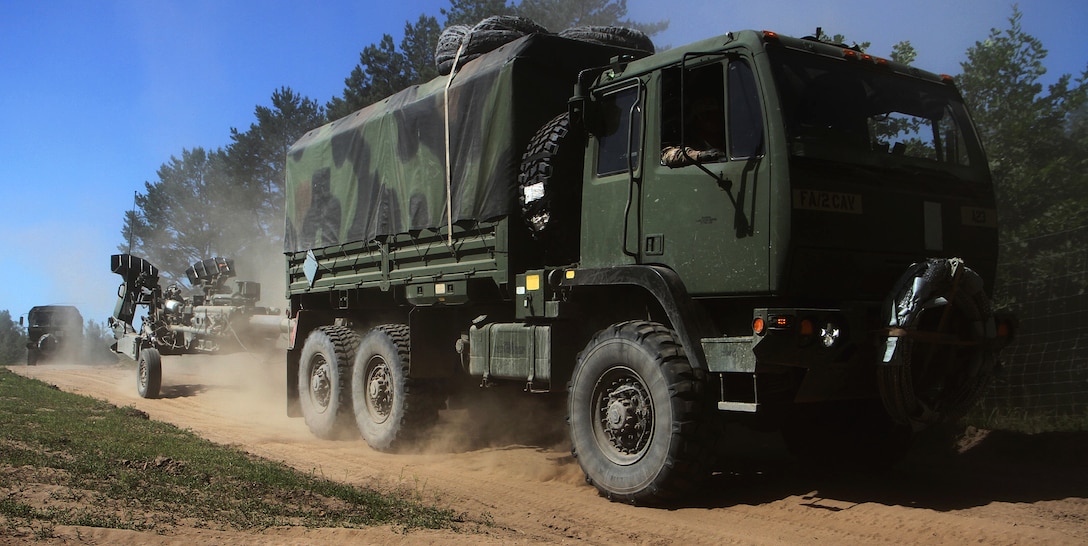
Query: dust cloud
246	389
495	428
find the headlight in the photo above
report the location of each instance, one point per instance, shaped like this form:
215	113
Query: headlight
830	334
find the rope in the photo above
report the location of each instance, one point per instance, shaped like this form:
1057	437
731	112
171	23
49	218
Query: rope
446	115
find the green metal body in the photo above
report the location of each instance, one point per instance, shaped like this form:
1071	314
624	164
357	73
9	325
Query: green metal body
787	225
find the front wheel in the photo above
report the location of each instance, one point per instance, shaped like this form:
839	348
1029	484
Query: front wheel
389	407
636	414
149	373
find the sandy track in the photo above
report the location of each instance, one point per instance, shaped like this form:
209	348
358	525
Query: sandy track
999	492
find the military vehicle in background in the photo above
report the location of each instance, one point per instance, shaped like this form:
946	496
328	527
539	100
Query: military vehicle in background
216	320
818	261
54	332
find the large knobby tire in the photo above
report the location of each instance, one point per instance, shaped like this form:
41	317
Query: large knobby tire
324	380
48	347
149	373
629	38
522	25
636	414
487	35
390	408
938	364
550	188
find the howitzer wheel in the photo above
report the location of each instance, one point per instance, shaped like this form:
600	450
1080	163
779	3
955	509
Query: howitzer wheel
390	408
324	380
636	414
149	373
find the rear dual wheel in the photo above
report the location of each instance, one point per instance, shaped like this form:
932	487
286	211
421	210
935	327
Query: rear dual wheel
390	408
324	380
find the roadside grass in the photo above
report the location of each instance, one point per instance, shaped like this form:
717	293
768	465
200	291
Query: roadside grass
67	459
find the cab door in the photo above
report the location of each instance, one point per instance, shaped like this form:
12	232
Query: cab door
707	218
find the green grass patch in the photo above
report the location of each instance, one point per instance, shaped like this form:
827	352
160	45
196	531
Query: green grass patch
72	460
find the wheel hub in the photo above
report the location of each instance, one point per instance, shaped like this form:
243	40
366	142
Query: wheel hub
625	417
379	391
320	385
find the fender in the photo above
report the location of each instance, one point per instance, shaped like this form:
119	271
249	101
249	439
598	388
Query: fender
687	319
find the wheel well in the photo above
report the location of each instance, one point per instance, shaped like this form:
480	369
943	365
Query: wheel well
601	306
643	292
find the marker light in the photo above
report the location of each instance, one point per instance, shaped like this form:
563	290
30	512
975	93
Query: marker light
1004	329
807	328
758	326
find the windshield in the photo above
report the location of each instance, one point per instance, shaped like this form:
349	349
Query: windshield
856	112
55	319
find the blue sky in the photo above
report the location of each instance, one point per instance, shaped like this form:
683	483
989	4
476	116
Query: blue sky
96	96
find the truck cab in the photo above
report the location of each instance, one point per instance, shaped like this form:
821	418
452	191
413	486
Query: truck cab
832	174
54	332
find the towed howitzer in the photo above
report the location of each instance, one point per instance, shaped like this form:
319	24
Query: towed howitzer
215	321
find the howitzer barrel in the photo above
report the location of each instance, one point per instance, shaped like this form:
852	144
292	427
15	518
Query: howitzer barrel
269	324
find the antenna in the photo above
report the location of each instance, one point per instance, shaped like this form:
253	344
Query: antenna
132	222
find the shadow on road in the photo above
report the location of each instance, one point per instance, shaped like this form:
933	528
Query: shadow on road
182	391
997	466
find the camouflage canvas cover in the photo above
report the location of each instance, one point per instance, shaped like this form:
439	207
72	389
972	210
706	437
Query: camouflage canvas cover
381	170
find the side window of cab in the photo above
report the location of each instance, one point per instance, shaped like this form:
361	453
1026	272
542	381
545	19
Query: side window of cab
619	135
693	115
710	113
745	113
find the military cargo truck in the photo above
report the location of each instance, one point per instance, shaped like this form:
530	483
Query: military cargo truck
817	260
54	332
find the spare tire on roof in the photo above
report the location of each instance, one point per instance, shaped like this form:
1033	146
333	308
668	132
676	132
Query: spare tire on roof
510	22
613	36
448	42
485	36
479	42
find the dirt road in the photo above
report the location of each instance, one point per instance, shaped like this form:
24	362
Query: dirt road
1005	489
